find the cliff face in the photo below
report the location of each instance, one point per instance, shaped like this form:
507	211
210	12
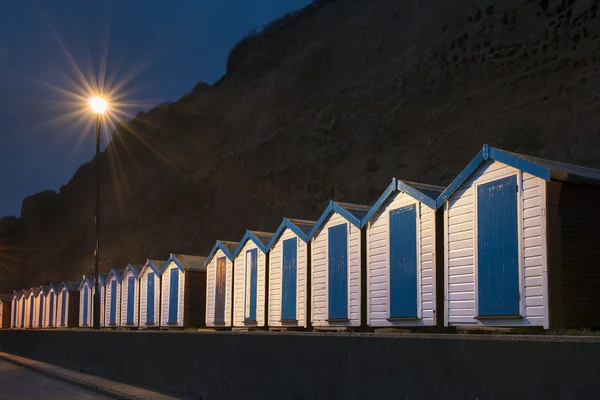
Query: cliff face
327	103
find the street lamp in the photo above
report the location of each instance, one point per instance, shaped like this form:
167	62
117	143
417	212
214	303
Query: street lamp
99	107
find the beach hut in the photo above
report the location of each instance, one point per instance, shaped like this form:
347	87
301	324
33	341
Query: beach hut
250	280
337	268
102	277
5	310
86	302
522	243
30	307
183	298
404	257
150	294
16	297
130	296
113	298
51	301
219	284
39	305
68	304
21	308
289	267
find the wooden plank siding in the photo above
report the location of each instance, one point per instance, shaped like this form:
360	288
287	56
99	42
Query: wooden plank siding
574	255
108	300
275	281
240	287
47	324
124	299
90	308
165	287
320	271
211	278
143	299
378	264
461	253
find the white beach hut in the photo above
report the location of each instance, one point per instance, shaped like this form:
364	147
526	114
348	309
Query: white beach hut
50	311
219	284
289	262
30	307
337	268
39	306
521	243
250	280
68	305
102	290
404	257
130	296
183	297
150	294
86	296
112	311
16	297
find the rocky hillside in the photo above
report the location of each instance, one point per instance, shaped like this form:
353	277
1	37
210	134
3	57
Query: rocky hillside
329	102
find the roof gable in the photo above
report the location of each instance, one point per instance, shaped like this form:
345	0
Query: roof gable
352	213
424	193
154	265
260	239
45	289
135	269
228	248
117	273
300	227
102	278
89	280
70	286
185	262
544	169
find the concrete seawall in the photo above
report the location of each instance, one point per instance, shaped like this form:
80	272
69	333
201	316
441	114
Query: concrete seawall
327	366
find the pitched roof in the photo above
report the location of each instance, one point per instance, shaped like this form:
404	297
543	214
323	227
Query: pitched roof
86	279
55	286
34	291
117	273
45	289
186	262
228	248
154	265
102	277
71	286
300	227
545	169
353	213
260	239
135	268
17	293
426	194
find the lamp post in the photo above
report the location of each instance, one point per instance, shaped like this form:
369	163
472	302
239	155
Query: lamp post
99	106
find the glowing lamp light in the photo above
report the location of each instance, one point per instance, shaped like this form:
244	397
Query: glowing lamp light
98	105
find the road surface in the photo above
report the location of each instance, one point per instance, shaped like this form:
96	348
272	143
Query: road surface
21	383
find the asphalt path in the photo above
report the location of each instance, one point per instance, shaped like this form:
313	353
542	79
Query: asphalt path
17	382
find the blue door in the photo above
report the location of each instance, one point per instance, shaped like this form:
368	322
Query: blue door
288	289
63	310
150	299
85	305
51	310
41	311
31	300
130	299
23	312
497	248
338	272
220	290
403	262
113	302
174	295
251	285
15	313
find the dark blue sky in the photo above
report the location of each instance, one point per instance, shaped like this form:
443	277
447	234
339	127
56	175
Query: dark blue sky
168	46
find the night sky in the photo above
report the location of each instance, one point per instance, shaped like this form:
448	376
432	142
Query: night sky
160	49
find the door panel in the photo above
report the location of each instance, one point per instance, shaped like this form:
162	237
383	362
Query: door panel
251	284
403	262
497	248
338	272
130	299
289	279
150	299
113	302
174	295
85	305
220	290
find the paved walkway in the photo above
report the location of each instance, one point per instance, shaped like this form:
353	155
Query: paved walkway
23	378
